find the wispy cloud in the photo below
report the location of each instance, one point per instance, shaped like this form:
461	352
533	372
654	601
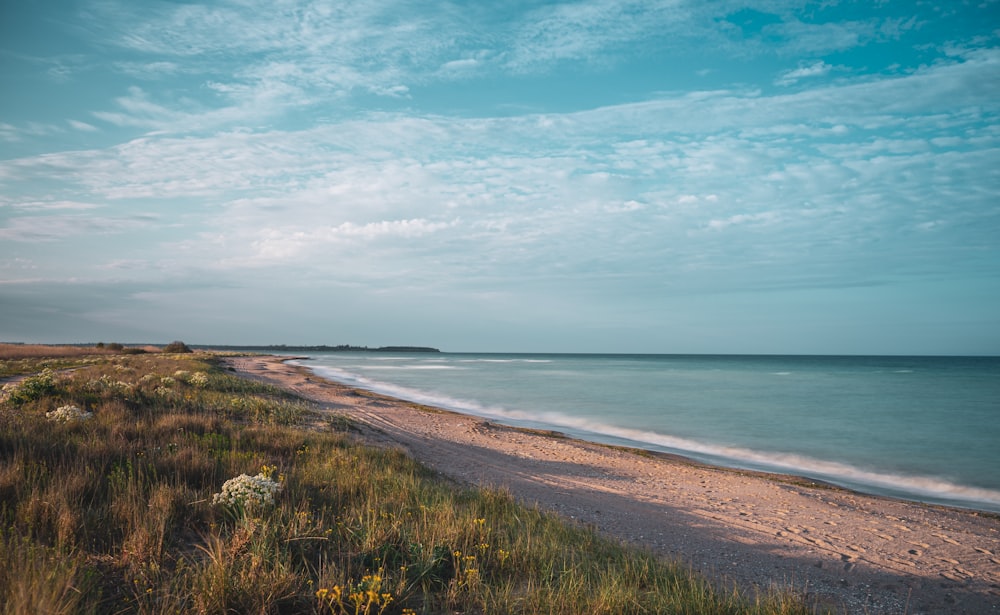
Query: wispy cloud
82	126
816	69
42	206
53	227
9	133
262	59
581	30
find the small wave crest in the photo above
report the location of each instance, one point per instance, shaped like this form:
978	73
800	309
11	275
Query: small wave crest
403	368
504	360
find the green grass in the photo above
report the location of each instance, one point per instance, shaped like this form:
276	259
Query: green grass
115	514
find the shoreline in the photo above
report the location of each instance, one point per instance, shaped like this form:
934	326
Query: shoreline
849	551
952	482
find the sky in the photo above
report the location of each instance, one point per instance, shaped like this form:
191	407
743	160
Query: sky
669	176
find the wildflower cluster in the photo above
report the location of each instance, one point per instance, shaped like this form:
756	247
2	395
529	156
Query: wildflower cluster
466	570
366	597
65	414
247	491
105	383
198	379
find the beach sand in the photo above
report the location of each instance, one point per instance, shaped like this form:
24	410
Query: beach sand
848	551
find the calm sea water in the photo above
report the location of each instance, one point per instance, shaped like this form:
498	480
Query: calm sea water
922	428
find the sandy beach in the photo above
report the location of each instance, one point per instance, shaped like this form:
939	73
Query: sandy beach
852	552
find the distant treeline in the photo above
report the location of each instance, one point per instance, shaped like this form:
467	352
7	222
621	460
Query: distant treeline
325	348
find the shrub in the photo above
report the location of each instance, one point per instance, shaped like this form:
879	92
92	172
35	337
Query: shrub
32	387
176	346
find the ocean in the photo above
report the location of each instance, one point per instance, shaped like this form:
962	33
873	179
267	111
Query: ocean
917	428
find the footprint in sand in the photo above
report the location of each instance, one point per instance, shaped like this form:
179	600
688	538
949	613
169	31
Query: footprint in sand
819	543
947	539
957	575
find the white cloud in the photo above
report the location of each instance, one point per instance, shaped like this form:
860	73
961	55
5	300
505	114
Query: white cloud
82	126
150	70
815	38
387	228
302	243
9	133
816	69
466	64
756	219
394	91
266	57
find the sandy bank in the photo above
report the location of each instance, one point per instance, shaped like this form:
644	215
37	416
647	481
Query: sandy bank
857	553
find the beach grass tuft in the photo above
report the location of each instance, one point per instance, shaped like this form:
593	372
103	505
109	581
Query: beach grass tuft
141	508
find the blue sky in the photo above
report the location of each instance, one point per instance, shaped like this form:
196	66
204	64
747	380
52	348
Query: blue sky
591	176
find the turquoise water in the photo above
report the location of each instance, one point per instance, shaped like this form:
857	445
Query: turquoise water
922	428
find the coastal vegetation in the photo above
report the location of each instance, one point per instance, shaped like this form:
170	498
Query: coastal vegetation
163	483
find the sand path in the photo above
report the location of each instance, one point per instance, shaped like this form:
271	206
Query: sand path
856	553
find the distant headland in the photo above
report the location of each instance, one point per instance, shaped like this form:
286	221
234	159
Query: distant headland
325	348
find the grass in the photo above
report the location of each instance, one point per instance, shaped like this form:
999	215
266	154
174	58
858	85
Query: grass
115	514
18	359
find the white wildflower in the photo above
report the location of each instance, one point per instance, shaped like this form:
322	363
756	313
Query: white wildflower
105	383
181	374
65	414
247	491
198	379
167	381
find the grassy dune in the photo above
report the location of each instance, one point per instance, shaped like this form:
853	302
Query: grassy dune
108	479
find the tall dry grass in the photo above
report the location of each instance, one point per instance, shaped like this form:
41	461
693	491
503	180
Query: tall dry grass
35	351
18	359
115	514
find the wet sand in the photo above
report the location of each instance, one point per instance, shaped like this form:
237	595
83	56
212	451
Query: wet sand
852	552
